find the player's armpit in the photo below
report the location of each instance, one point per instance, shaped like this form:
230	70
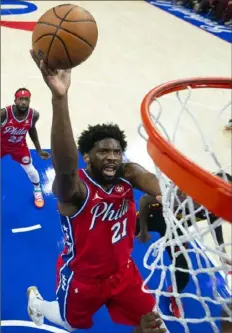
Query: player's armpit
141	179
69	190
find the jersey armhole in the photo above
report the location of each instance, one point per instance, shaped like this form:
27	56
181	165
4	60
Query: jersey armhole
85	202
126	181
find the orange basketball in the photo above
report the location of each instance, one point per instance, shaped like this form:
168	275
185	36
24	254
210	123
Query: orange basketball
65	36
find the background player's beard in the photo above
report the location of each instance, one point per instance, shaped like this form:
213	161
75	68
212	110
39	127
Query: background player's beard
21	110
104	180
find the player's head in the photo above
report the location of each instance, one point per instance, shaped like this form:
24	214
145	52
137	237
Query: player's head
22	99
102	147
228	176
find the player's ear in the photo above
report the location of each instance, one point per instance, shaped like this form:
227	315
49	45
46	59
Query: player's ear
86	158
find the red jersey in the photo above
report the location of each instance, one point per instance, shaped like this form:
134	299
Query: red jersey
14	131
99	237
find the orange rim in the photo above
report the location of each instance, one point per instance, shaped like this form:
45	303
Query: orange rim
208	190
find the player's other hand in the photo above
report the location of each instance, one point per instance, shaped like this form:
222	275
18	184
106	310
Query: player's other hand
57	80
44	154
152	323
143	236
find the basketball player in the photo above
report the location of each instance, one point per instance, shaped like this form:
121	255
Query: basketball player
98	219
16	121
150	218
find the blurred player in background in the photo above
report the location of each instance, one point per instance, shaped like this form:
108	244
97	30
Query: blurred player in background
228	127
150	218
16	121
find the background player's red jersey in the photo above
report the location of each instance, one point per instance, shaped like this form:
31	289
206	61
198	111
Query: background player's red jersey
14	131
99	237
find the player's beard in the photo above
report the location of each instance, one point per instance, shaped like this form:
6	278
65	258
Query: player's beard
102	179
21	110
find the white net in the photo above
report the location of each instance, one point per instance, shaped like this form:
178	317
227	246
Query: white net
193	121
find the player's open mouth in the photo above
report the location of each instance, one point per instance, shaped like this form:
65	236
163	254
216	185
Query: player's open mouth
109	170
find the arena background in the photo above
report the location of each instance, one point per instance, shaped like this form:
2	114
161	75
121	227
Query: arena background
139	47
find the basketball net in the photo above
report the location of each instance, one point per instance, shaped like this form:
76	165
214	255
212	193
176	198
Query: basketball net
180	117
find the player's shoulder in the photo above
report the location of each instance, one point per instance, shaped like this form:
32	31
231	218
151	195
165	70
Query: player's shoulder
3	115
131	171
128	169
82	174
132	166
35	115
6	108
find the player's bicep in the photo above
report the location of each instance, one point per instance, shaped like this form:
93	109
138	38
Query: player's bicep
141	179
32	131
35	117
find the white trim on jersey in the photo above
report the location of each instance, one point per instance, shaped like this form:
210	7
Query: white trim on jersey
67	263
20	121
84	204
96	184
70	233
126	181
66	295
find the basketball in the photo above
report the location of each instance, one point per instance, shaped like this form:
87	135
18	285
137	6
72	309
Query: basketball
65	36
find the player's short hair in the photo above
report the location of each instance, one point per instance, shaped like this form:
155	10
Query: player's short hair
99	132
228	176
20	89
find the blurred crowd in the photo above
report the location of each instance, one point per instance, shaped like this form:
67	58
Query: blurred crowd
216	10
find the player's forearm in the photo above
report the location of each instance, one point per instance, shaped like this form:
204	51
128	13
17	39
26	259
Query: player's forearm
144	203
63	146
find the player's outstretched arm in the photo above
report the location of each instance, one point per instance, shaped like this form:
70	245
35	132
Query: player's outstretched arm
144	203
142	179
67	186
